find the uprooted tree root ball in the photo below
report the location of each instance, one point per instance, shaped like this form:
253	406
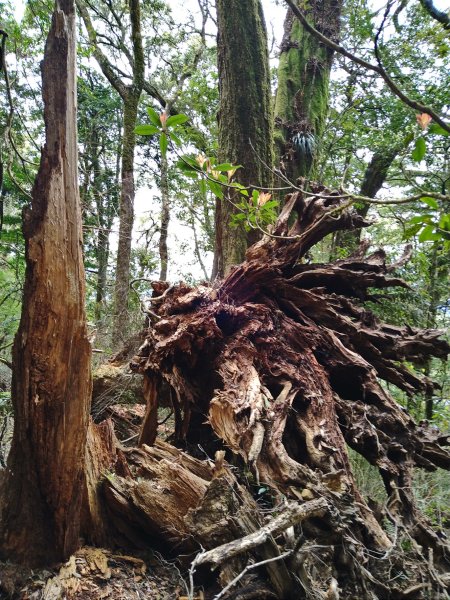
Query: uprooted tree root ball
280	365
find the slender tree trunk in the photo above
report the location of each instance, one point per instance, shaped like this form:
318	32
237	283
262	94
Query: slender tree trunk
102	270
301	104
103	231
165	218
374	178
245	116
435	274
40	509
126	221
198	254
130	95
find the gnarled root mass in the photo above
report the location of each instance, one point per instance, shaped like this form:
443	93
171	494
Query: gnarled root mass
280	364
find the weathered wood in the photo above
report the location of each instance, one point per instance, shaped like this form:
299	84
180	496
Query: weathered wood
103	458
285	361
153	502
291	515
228	512
43	491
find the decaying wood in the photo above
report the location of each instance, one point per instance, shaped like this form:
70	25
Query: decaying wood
42	487
103	457
114	384
281	363
291	515
183	504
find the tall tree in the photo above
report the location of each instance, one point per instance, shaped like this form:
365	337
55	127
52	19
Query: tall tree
99	129
301	104
245	116
130	94
42	491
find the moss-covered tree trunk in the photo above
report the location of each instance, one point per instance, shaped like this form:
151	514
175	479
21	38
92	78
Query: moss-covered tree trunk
42	485
301	104
245	115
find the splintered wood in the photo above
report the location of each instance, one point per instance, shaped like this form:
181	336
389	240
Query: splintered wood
281	364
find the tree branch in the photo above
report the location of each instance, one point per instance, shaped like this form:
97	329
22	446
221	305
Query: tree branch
101	58
292	515
440	16
369	66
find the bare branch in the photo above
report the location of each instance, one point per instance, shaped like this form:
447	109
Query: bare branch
102	59
292	515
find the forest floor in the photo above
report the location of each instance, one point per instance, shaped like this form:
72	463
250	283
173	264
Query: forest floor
96	574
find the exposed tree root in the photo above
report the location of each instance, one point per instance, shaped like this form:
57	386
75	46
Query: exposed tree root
281	364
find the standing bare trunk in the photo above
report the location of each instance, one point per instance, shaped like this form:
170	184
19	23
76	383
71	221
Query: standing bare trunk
40	509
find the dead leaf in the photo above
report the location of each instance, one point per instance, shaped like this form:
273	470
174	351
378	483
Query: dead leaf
423	120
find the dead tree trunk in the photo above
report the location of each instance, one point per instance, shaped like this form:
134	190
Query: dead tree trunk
42	485
281	364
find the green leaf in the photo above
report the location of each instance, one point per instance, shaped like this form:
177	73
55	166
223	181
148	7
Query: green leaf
154	117
420	219
428	234
163	143
238	186
412	231
189	160
188	166
419	151
239	217
444	222
432	202
225	167
271	204
146	129
203	187
435	128
175	139
215	188
176	120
